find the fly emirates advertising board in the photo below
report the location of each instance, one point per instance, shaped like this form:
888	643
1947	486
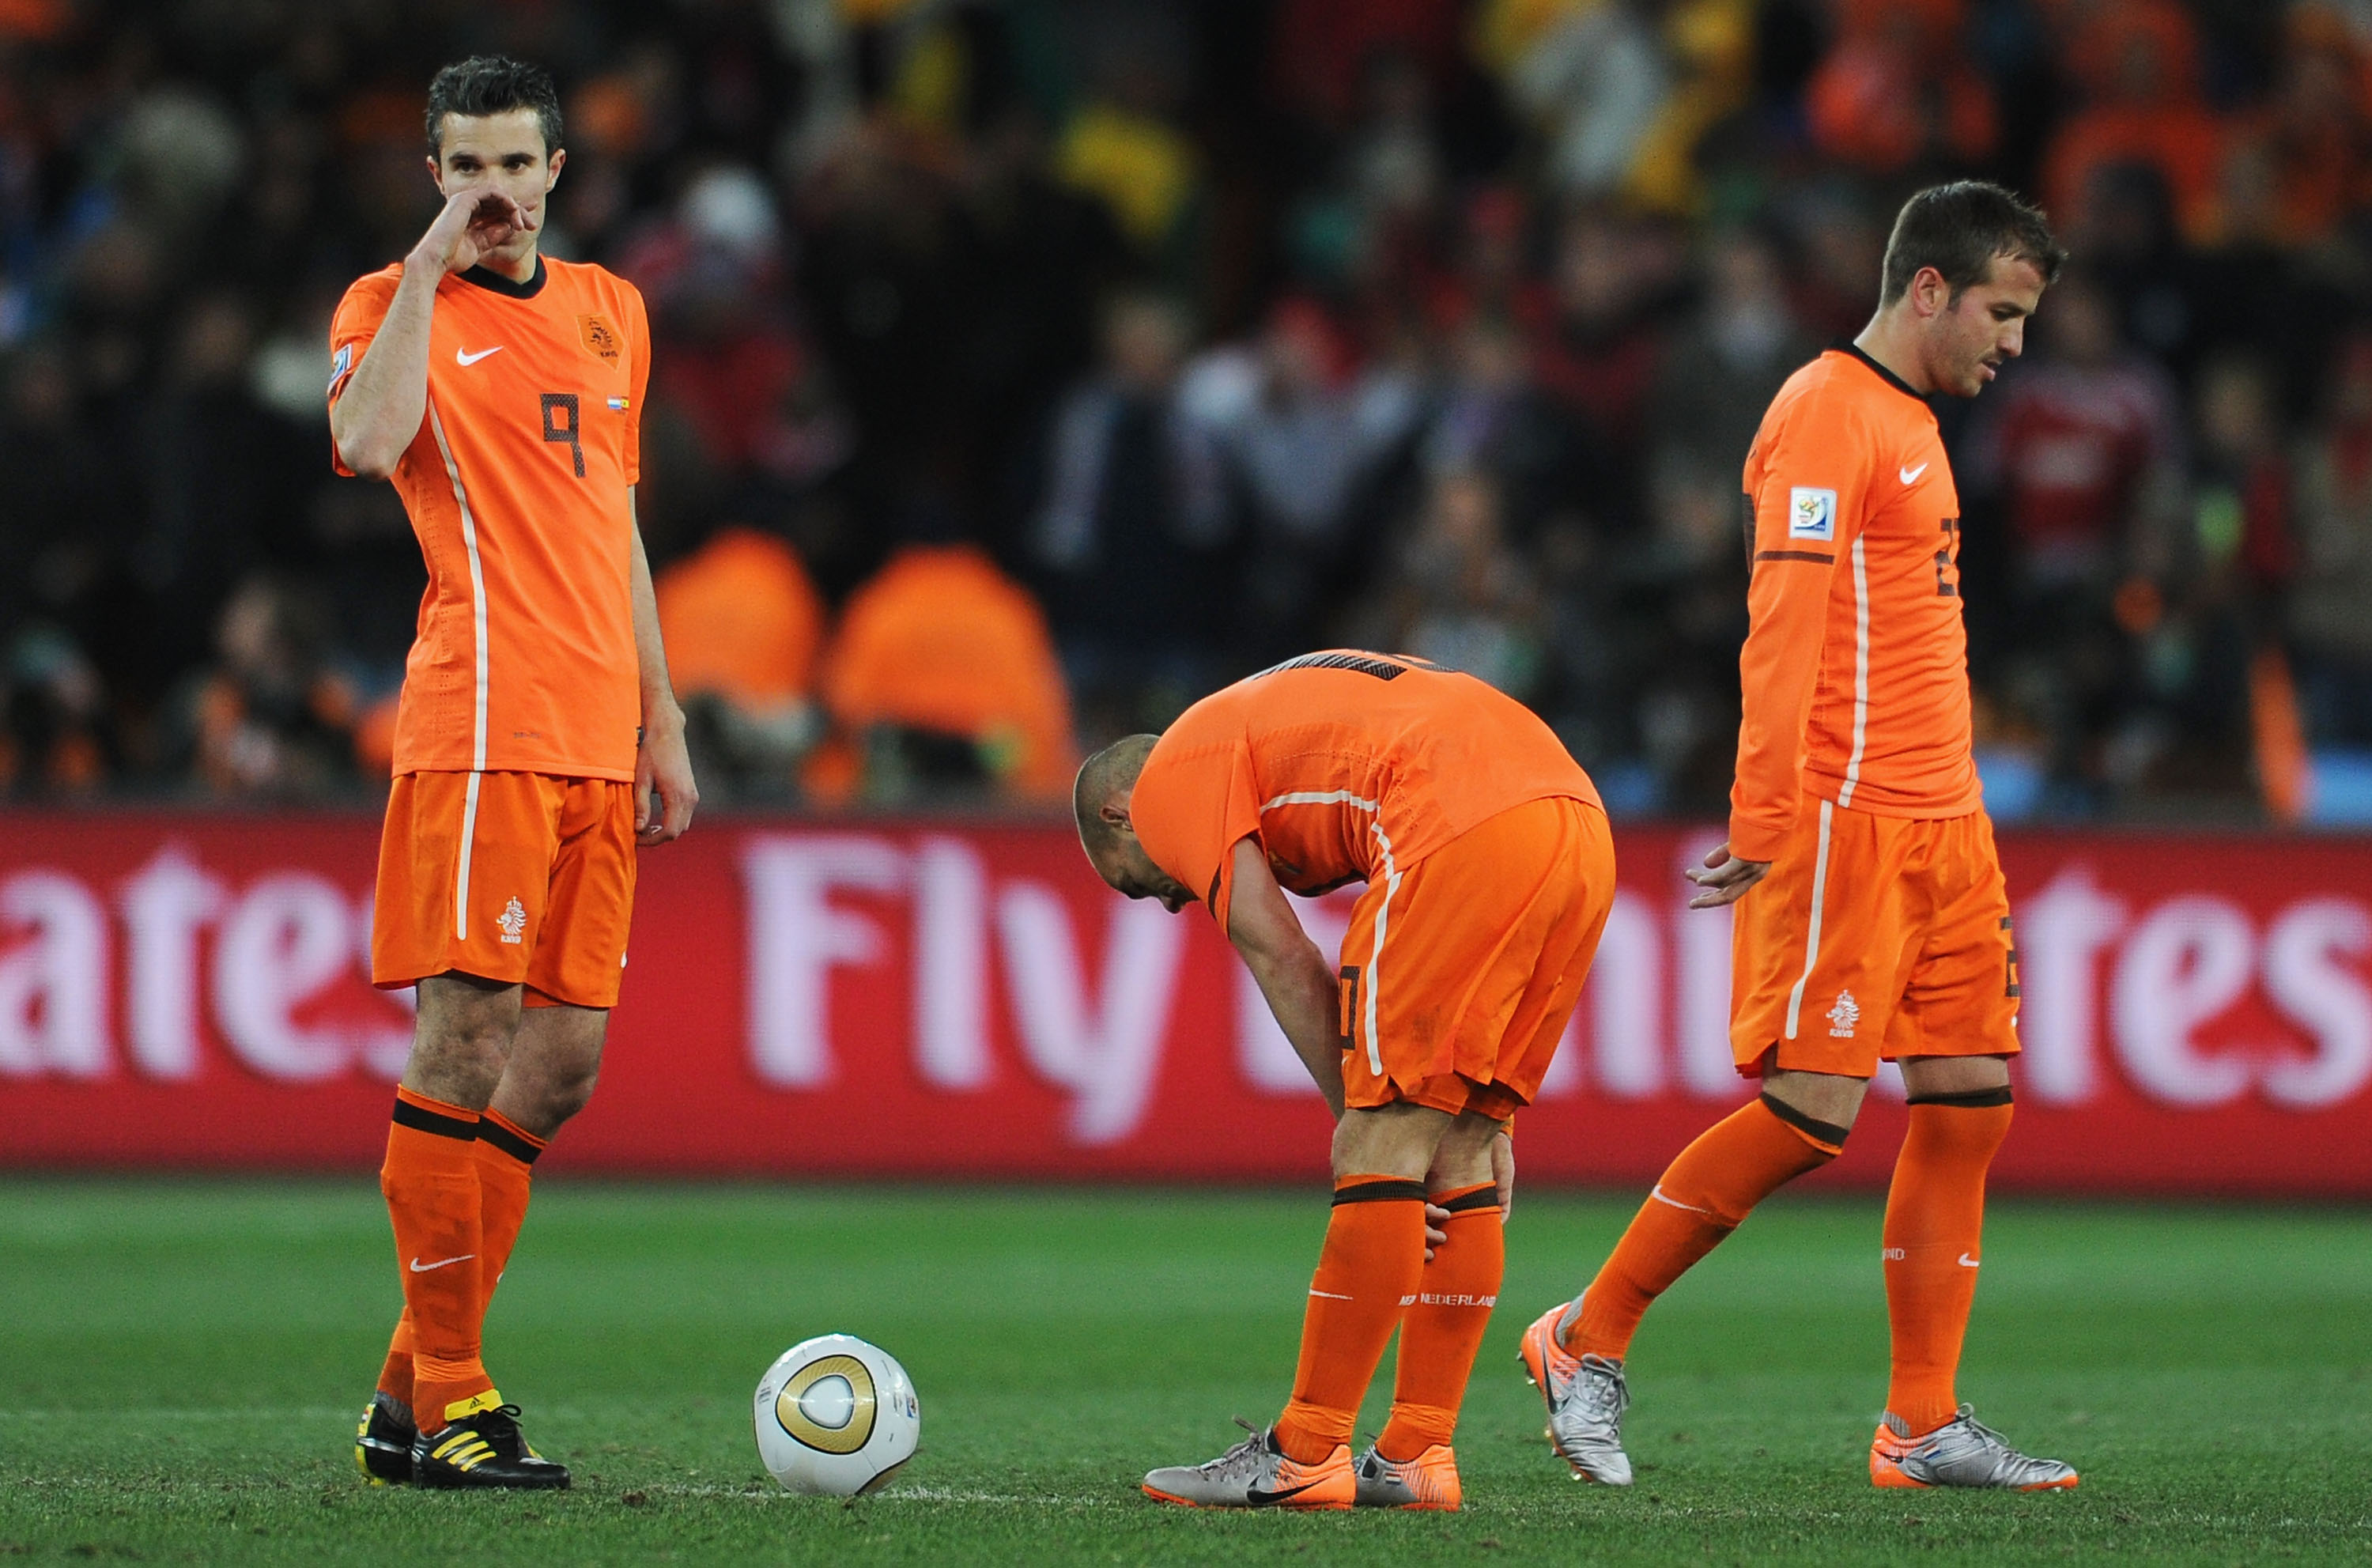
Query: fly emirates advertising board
921	999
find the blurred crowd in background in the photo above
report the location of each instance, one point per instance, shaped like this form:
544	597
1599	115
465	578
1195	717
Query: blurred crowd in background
1025	368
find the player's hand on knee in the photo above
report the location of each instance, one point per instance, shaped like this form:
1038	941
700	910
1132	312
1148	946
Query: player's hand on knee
1436	1218
1503	1172
1724	878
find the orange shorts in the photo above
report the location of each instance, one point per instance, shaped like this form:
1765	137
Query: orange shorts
1874	936
521	877
1458	975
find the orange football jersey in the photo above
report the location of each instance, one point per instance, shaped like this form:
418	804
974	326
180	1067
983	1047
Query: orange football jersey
1855	668
520	488
1348	767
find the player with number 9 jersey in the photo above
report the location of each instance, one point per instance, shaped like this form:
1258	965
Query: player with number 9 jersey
538	743
516	486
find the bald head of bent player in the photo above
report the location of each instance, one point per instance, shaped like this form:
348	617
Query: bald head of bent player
1100	800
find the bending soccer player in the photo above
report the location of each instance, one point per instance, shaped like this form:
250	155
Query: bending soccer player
1489	872
501	392
1872	919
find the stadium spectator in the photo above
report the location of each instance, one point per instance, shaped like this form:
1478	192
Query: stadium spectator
942	673
271	719
744	629
2330	605
2307	153
1299	438
1459	594
1128	537
1718	374
2083	454
2135	64
1899	89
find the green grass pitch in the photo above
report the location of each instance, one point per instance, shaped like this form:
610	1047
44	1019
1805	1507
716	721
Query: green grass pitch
181	1365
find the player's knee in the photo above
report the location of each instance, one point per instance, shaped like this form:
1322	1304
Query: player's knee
460	1062
568	1092
1388	1140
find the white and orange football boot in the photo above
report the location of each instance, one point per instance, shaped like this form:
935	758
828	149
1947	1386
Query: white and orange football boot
1586	1396
1961	1452
1429	1481
1256	1473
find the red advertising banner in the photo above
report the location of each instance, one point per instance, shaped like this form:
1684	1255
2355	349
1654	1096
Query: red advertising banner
950	999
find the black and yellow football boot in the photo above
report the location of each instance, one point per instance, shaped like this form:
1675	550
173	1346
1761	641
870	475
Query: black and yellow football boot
482	1448
383	1441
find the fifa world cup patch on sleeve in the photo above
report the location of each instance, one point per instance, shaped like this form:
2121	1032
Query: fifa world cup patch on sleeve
339	365
1811	514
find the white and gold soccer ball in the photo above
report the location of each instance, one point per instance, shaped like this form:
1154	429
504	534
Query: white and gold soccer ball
836	1417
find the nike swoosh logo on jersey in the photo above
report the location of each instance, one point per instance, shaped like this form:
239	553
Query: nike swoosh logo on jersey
420	1268
464	356
1967	1261
1909	476
1259	1499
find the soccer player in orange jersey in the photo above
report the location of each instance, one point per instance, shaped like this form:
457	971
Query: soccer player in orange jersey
1489	872
1872	921
501	393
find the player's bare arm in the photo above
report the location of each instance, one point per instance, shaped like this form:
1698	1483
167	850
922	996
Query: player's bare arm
1302	991
1293	974
662	763
495	173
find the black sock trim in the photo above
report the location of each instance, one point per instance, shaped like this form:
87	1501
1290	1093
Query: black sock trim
1967	1099
1480	1198
407	1114
510	1143
1826	1132
1389	1191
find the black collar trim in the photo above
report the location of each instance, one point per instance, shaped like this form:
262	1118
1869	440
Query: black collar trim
487	278
1883	374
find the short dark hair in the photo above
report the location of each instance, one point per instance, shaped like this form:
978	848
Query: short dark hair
493	83
1959	229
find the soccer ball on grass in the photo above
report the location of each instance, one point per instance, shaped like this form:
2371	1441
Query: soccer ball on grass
836	1417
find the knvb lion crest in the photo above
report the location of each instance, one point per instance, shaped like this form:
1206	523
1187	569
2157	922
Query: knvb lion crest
513	920
1844	1015
600	338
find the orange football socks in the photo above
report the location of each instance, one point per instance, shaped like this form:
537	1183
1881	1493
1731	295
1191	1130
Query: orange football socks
1366	1277
1935	1223
506	1159
506	1153
1717	1181
395	1372
1443	1328
431	1182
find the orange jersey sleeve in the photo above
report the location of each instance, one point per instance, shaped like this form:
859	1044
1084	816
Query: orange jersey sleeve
1854	673
1348	766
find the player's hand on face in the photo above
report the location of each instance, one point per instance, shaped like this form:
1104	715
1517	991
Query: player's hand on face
474	222
1724	878
663	763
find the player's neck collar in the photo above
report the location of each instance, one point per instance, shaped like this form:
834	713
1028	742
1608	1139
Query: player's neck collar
487	278
1854	349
